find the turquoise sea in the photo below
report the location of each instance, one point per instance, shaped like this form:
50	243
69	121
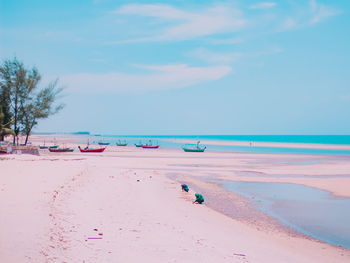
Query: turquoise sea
171	142
319	139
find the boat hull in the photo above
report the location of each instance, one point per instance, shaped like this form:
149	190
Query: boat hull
194	150
60	150
99	150
103	143
150	147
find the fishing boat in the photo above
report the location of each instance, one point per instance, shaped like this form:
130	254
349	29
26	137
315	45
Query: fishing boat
103	143
43	146
140	144
61	150
3	151
194	148
121	143
91	150
53	147
48	147
150	145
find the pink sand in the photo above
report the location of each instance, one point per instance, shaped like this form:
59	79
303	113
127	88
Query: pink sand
76	207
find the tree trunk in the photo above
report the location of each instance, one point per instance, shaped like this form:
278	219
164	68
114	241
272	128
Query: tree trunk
29	130
15	124
27	136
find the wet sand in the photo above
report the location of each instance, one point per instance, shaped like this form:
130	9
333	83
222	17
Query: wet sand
121	206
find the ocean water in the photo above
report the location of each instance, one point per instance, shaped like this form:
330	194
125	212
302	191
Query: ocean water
318	139
170	141
307	210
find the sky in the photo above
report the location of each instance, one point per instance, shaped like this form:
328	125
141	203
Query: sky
187	67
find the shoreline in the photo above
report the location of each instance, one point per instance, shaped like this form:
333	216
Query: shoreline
267	218
247	214
107	184
306	178
266	175
268	144
213	142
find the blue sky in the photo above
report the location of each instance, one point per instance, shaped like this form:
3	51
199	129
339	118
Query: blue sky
188	67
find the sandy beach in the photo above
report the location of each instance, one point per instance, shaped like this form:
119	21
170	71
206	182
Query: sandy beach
126	204
174	131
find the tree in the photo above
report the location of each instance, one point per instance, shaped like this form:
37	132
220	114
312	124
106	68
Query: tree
13	86
4	131
39	106
4	105
25	103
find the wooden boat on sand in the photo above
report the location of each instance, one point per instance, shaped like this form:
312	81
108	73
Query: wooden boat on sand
48	147
150	145
121	143
103	143
139	144
91	150
61	150
194	148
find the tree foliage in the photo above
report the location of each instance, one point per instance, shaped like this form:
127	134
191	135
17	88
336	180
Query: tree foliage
22	100
3	130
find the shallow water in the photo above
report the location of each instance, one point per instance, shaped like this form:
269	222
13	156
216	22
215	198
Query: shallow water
308	210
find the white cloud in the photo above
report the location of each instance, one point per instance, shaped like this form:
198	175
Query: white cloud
160	78
162	11
263	5
169	23
186	25
215	57
310	14
321	12
313	5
